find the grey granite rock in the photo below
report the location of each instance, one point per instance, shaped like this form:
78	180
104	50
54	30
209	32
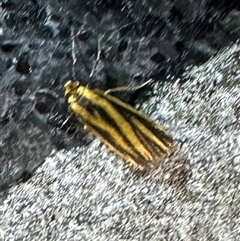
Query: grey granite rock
89	194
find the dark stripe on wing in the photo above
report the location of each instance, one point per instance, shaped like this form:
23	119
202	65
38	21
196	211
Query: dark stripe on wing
111	142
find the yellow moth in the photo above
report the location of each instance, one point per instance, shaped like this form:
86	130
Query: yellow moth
129	133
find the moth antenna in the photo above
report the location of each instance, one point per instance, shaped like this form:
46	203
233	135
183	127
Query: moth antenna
126	88
99	48
74	58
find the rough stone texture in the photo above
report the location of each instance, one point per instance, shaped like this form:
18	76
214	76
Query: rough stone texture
86	193
139	40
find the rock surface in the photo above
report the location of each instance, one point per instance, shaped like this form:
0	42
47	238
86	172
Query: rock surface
84	192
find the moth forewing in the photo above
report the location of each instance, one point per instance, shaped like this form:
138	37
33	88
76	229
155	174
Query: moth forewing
127	131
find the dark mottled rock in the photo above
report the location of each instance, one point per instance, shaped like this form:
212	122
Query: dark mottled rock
138	38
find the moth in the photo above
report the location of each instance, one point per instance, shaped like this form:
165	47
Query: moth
129	133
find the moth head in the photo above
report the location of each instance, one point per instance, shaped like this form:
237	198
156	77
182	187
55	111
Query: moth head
71	88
